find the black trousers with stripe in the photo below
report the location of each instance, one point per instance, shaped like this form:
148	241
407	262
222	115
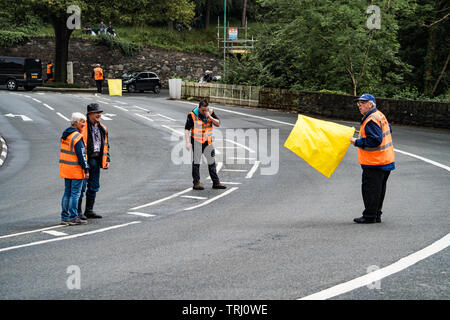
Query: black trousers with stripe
373	191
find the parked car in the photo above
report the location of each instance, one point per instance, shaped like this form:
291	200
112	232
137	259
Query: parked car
141	81
20	72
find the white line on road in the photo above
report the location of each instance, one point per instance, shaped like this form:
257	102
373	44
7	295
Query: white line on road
31	231
142	108
235	170
240	145
36	100
68	237
55	233
142	214
194	197
172	129
434	163
163	199
121	108
47	106
62	116
253	170
367	279
212	199
168	118
144	117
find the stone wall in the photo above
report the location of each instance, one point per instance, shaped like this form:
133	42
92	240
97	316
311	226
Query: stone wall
85	54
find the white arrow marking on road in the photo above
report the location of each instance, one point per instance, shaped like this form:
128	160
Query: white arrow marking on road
24	118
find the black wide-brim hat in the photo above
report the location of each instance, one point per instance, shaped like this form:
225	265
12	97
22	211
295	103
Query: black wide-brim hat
93	107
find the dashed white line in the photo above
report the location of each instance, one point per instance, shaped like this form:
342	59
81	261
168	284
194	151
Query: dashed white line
166	117
144	117
55	233
194	197
142	214
68	237
173	130
47	106
121	108
62	116
28	232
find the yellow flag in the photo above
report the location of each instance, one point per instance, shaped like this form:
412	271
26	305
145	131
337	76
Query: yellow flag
322	144
115	87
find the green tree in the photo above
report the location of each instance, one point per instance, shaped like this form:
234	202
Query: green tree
324	44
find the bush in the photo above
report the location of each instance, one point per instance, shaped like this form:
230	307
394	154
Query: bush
11	38
126	47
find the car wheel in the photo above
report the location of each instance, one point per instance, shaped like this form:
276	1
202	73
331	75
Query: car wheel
131	88
28	88
157	89
11	84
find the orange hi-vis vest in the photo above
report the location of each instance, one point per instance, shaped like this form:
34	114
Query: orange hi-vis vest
49	68
69	167
98	73
202	132
84	132
384	153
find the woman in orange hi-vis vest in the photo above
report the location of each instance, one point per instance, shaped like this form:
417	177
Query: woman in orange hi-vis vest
73	167
376	157
97	74
199	137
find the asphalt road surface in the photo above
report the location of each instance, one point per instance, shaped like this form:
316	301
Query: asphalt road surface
280	230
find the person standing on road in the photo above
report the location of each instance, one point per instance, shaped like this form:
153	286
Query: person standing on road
97	75
199	136
73	167
50	71
95	135
376	157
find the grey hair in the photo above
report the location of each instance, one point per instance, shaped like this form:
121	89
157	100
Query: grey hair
77	117
373	104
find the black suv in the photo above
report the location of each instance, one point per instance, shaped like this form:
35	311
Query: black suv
20	72
141	81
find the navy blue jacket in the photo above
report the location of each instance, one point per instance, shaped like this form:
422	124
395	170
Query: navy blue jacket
79	148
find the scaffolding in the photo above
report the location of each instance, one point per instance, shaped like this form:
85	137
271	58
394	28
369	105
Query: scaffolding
232	43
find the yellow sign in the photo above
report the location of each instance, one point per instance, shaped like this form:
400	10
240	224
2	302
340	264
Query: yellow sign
322	144
115	87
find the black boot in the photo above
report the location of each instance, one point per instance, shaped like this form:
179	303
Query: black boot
80	209
89	212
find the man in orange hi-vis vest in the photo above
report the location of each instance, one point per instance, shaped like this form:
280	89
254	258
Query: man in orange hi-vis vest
97	75
50	72
199	137
376	157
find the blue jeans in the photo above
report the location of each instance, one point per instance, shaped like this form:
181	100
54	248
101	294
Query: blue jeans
93	183
69	202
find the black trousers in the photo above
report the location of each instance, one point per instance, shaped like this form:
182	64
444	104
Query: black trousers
373	191
99	84
199	149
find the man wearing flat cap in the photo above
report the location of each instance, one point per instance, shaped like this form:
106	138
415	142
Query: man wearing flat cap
95	136
376	157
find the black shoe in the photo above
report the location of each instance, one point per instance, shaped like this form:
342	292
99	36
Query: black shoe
89	212
219	186
378	219
364	220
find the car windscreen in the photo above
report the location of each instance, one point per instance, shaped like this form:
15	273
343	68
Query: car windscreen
10	64
33	65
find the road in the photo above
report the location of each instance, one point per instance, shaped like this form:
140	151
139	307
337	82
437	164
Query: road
280	230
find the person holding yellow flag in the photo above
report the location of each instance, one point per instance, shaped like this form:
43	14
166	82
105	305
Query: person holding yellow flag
376	157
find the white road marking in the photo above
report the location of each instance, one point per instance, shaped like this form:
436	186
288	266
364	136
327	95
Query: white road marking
142	214
36	100
47	106
172	129
121	108
166	117
163	199
144	117
240	145
68	237
212	199
231	183
55	233
194	197
142	108
62	116
253	170
434	163
31	231
234	170
367	279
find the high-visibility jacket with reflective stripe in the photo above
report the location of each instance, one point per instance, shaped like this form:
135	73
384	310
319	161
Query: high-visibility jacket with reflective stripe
382	154
49	68
69	167
202	132
105	151
98	73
